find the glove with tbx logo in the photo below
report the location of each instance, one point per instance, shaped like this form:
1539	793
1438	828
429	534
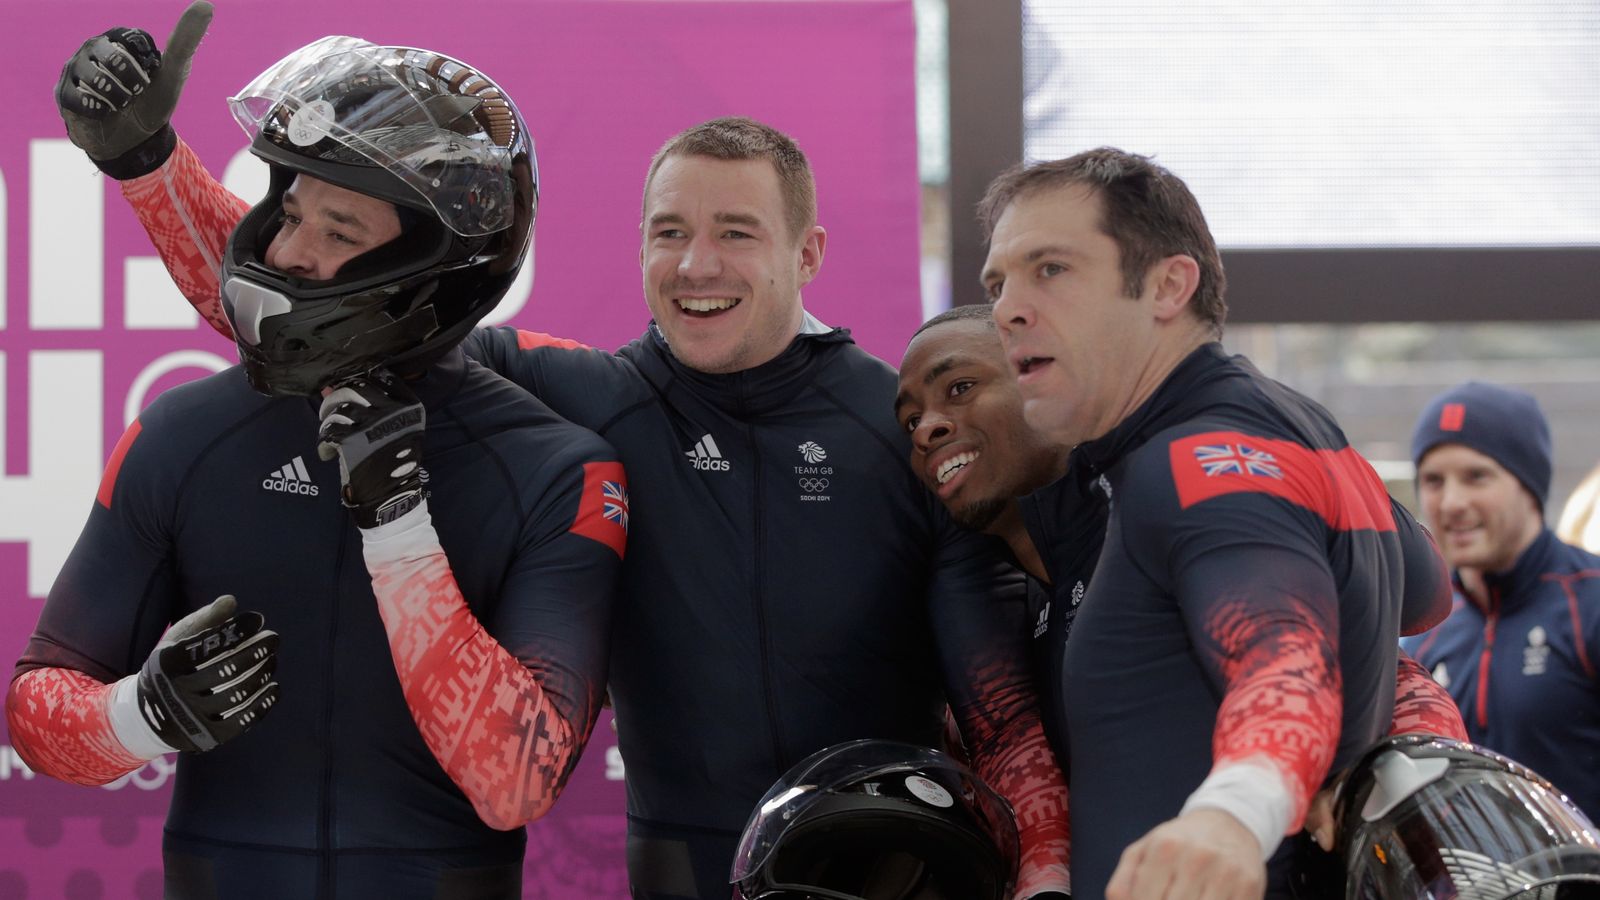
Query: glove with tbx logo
375	424
210	677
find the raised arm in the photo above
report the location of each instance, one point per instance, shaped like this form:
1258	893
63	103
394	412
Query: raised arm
116	95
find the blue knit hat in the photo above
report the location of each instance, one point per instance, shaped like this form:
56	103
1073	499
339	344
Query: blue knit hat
1502	423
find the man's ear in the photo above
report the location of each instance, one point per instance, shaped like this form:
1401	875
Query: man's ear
1175	280
811	250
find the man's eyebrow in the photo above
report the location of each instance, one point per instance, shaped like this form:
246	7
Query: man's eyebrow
737	219
346	219
665	219
1031	256
939	368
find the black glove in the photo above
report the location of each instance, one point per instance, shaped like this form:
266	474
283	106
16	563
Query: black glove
210	677
117	94
374	424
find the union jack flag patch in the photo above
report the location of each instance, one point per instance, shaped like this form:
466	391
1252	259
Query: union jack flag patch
1236	459
603	510
614	502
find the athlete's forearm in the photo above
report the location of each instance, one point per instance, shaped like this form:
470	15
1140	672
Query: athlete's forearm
1011	754
1421	706
60	724
189	216
1278	725
484	715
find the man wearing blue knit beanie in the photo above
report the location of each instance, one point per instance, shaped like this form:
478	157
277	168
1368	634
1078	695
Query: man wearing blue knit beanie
1520	651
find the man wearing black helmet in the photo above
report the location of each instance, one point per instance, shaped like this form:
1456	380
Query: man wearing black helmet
423	706
792	585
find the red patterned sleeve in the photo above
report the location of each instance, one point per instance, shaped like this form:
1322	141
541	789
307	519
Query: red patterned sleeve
981	626
60	726
1018	763
1421	706
1282	699
189	216
486	717
507	703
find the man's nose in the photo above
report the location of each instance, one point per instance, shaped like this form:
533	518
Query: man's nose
290	252
932	429
1011	311
701	259
1452	496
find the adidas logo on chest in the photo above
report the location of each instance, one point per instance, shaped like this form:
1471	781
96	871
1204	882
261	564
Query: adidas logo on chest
706	457
291	479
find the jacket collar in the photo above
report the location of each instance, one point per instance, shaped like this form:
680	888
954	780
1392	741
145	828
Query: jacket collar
1516	584
1188	389
754	391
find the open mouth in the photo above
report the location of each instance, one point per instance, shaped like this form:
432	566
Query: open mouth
954	466
1028	364
706	307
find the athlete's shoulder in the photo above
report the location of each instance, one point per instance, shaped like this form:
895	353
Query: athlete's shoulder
493	408
194	414
858	374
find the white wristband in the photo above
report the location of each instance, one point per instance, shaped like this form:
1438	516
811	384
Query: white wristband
1252	791
409	537
128	725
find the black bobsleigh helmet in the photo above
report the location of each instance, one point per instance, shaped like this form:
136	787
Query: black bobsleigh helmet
878	820
428	133
1424	817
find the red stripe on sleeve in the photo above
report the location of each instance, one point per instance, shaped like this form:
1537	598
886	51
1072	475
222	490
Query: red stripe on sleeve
603	511
1338	485
108	481
528	340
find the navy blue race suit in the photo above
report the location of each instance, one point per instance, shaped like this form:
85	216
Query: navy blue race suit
335	794
1241	533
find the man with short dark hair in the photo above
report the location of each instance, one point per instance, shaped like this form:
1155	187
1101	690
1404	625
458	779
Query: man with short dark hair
1520	649
1237	641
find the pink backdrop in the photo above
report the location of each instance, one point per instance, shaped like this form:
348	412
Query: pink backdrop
90	328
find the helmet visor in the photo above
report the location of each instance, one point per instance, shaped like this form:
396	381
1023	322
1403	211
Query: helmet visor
432	122
927	775
1477	833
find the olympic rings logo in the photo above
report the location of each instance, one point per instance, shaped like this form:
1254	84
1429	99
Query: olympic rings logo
813	485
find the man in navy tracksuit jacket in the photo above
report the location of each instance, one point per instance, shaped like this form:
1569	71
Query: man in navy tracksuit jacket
789	583
1520	649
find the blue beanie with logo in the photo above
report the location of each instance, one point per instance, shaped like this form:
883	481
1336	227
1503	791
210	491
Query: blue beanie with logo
1502	423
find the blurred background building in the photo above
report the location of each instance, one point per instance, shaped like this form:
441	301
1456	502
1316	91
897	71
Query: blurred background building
1407	195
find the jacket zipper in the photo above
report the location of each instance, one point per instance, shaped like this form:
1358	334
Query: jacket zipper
326	860
757	595
1483	658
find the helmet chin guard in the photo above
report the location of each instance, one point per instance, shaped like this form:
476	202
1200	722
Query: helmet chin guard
422	131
